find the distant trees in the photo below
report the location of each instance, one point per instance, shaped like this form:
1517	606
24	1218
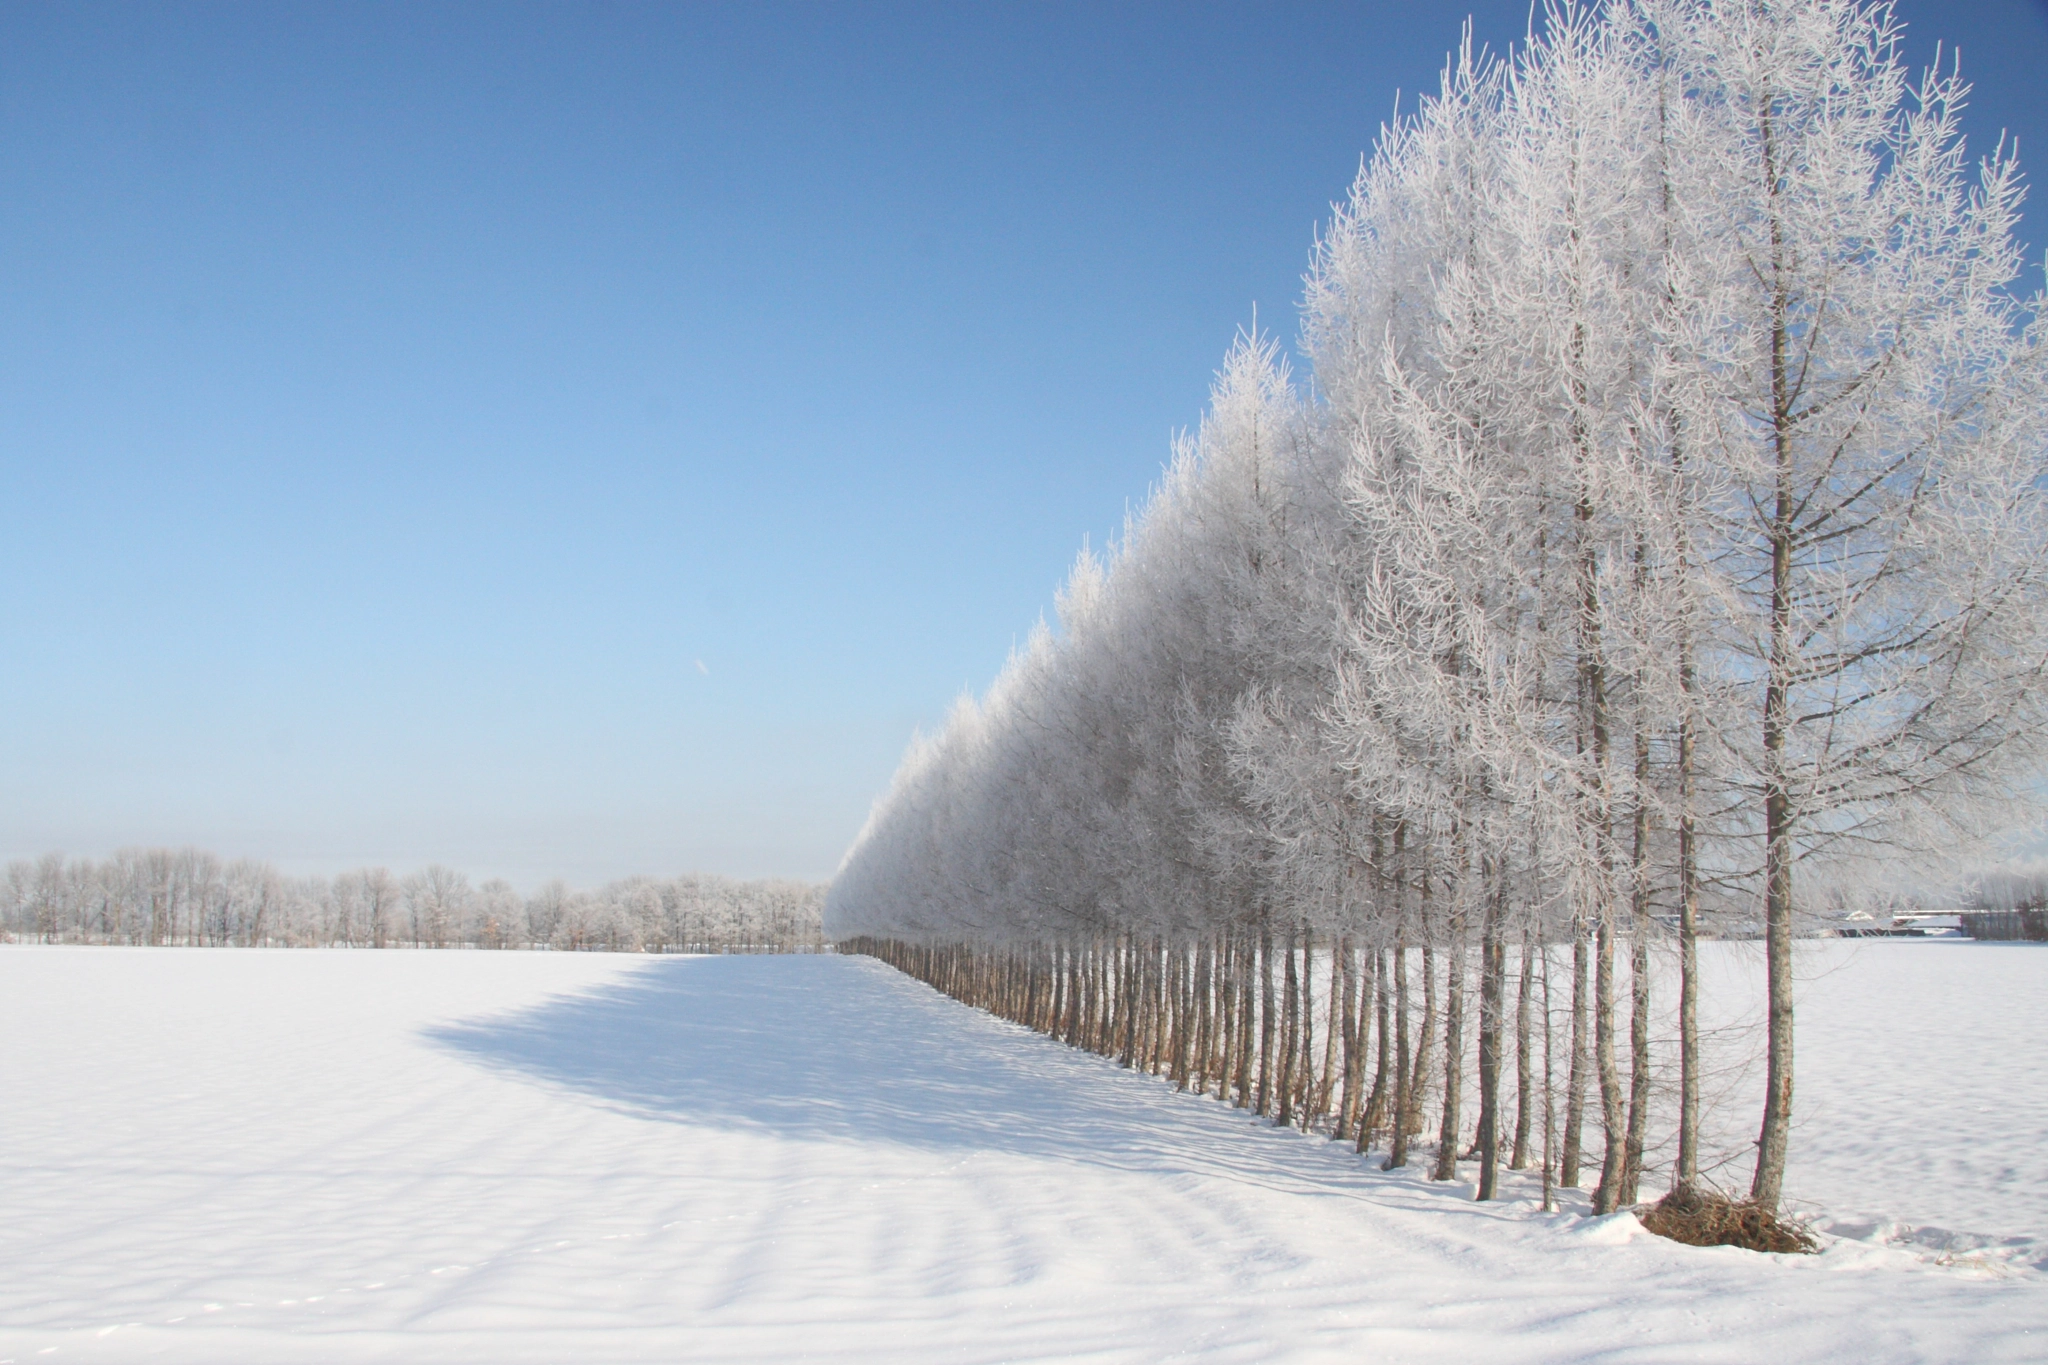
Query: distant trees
360	908
184	896
1662	533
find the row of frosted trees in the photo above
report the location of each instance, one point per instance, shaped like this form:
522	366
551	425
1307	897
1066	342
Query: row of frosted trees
185	896
1657	549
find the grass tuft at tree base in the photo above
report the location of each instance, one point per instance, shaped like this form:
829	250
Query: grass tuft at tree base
1708	1218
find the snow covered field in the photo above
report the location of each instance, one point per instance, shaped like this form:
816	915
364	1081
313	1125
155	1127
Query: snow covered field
241	1155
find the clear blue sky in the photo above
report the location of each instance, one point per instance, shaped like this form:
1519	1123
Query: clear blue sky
580	440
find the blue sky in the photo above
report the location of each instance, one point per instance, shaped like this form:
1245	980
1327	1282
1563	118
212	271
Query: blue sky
582	440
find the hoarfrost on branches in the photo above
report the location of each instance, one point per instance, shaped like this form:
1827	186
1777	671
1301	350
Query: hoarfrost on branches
1658	543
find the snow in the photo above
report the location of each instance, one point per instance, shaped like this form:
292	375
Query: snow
240	1155
1920	1111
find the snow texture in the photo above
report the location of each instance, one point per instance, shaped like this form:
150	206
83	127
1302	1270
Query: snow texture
248	1155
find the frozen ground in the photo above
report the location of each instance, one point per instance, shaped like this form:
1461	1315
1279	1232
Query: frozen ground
327	1156
1921	1107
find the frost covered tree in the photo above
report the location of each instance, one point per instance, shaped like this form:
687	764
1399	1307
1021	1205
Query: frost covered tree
1860	393
1663	516
186	896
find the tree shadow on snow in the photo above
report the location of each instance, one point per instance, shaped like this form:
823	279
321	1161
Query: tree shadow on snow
843	1048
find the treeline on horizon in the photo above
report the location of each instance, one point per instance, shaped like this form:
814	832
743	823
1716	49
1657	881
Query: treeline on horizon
163	896
1658	540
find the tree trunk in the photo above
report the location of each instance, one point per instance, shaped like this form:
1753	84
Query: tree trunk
1397	1153
1226	1018
1454	1045
1492	969
1768	1186
1267	1021
1304	1068
1247	1012
1306	1078
1290	1021
1425	1042
1524	1099
1687	1174
1638	1037
1575	1080
1549	1099
1613	1118
1376	1104
1333	1028
1354	1050
1631	1173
